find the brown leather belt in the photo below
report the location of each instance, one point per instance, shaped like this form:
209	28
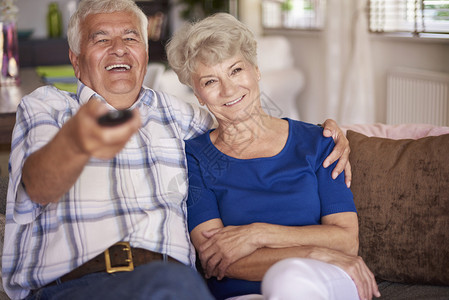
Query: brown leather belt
120	257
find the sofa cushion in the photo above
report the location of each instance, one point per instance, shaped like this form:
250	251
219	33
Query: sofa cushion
398	131
401	191
404	291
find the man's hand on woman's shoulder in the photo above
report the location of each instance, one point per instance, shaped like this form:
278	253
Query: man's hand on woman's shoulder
341	151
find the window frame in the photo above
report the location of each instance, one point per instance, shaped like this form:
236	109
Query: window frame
291	18
393	33
410	21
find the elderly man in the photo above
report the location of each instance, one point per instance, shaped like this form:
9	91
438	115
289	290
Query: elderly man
78	187
95	210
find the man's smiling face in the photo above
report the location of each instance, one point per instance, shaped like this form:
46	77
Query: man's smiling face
113	57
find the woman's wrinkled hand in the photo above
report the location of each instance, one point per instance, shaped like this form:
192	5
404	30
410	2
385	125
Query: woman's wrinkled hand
226	245
355	267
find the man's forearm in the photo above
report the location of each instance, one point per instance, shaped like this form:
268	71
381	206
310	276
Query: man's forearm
52	170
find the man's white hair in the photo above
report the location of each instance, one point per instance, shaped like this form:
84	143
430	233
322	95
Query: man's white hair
89	7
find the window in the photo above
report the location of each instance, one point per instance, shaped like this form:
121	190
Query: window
414	16
198	9
295	14
418	17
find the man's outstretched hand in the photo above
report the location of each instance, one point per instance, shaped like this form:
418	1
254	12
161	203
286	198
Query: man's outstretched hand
97	140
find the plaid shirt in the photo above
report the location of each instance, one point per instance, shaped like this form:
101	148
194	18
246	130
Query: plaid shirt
139	196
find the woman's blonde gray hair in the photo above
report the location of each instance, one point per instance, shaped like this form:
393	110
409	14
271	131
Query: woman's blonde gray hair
209	41
89	7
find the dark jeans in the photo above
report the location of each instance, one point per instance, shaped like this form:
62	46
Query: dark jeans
155	281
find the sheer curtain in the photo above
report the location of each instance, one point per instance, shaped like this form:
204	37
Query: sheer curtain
349	72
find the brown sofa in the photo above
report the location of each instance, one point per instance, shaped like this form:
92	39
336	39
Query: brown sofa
401	190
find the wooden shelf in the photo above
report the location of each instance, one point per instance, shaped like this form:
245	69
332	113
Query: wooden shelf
47	52
43	52
7	121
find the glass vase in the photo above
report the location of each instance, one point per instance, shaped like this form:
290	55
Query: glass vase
9	54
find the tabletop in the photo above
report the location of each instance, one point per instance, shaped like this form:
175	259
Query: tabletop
10	97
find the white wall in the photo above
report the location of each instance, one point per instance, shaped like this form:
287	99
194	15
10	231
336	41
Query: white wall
432	55
387	52
33	15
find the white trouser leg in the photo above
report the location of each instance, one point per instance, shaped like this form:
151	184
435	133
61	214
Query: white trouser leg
247	297
301	278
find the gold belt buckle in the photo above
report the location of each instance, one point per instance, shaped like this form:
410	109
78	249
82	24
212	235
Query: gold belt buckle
129	260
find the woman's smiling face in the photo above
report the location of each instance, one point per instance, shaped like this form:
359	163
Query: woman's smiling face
229	89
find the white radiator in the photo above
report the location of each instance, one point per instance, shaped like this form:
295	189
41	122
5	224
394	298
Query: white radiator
417	96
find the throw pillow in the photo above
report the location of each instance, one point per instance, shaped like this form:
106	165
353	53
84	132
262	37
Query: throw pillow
401	191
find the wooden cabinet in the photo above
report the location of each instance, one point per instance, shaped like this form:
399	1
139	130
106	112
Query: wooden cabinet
43	52
46	52
7	121
158	29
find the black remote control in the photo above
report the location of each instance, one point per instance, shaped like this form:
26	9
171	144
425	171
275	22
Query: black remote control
115	117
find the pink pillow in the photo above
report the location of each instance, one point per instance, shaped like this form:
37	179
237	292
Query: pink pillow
401	131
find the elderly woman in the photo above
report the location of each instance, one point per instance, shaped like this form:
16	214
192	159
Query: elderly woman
259	193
